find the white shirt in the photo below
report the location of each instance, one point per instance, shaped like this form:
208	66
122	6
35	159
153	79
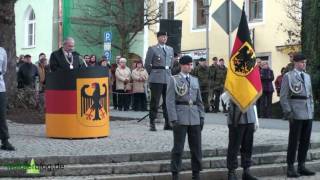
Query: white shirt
3	68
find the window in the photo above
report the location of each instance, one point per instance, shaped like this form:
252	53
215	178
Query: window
170	9
199	14
30	23
255	10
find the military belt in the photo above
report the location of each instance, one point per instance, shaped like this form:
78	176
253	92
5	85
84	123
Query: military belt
298	97
185	103
161	67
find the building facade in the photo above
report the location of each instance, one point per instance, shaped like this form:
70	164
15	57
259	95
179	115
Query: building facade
264	18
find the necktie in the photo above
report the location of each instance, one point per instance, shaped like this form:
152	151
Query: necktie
302	76
188	80
165	53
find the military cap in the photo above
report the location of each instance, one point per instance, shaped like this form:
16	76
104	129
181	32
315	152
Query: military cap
161	33
298	57
185	60
202	59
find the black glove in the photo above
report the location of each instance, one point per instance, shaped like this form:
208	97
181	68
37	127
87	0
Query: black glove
174	123
288	116
201	122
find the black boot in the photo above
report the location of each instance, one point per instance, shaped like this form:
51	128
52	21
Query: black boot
246	175
232	175
291	172
152	125
195	175
303	171
175	176
7	146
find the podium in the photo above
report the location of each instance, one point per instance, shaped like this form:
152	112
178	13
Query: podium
77	103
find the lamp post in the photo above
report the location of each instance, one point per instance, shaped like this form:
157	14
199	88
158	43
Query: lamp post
206	5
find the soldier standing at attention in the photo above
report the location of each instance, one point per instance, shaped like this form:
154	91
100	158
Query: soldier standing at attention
241	133
186	112
202	73
212	74
297	103
158	63
219	79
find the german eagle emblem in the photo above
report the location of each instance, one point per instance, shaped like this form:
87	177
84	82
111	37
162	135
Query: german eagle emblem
94	106
243	61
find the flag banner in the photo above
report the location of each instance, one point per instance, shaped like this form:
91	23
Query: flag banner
243	77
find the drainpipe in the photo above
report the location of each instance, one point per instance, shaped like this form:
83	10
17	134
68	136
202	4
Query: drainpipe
60	24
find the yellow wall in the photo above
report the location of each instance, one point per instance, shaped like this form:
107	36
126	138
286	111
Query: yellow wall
267	33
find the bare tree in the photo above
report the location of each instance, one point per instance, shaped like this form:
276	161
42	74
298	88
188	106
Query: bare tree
293	9
7	40
126	17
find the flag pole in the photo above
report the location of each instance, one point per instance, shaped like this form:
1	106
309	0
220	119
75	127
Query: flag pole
230	28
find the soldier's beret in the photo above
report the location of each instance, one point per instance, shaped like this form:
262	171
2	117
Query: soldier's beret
185	60
202	59
161	33
298	57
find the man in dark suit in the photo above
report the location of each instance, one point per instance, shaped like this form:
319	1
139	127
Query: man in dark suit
65	58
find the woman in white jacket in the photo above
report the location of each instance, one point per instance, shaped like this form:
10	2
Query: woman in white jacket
123	85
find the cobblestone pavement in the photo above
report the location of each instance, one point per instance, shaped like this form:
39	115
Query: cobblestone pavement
126	137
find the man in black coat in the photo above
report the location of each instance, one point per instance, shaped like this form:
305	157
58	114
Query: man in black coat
27	73
65	58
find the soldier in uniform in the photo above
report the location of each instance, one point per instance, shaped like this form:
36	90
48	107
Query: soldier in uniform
186	112
241	132
290	66
176	66
218	84
212	73
4	132
158	63
202	73
297	103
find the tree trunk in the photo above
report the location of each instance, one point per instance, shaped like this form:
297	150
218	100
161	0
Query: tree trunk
7	31
310	37
311	41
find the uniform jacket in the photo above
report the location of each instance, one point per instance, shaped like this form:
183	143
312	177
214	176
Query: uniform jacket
121	76
58	62
202	73
219	77
3	68
138	86
294	87
156	57
236	116
184	114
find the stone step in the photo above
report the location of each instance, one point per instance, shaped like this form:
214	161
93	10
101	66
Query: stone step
261	171
150	156
158	166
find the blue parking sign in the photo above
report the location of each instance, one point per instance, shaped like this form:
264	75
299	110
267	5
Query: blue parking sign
108	55
107	36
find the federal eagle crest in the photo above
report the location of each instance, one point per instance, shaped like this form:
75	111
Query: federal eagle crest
93	105
244	60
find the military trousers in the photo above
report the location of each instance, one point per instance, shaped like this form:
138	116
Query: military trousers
299	137
158	90
194	140
217	94
240	138
4	133
205	100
